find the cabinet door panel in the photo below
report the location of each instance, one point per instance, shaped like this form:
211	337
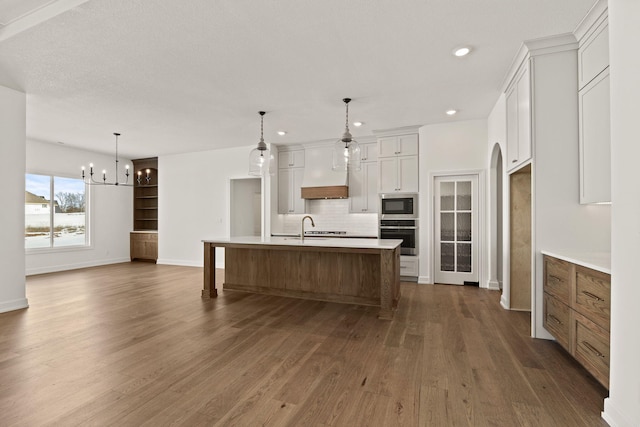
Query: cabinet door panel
284	189
357	196
524	116
595	141
388	177
298	201
593	55
408	145
388	147
408	173
512	128
371	186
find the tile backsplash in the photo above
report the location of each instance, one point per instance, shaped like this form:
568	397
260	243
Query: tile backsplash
331	215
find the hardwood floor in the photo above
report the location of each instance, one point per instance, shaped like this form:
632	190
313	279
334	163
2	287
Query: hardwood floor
134	344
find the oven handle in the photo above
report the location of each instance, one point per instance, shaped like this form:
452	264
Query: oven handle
391	227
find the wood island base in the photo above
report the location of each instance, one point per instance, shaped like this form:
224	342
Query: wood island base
364	276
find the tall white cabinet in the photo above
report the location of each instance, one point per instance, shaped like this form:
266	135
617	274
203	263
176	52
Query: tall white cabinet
363	184
594	111
290	174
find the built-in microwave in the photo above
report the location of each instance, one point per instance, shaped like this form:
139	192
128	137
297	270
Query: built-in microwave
398	205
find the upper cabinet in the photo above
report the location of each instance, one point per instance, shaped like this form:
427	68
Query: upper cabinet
398	163
369	152
402	145
518	98
291	159
594	113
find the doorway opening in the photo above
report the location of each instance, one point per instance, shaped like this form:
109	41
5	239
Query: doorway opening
520	239
245	207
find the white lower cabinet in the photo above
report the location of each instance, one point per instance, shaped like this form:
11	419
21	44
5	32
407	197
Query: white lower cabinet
363	189
289	185
408	266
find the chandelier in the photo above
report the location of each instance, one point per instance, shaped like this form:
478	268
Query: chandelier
346	151
91	181
260	158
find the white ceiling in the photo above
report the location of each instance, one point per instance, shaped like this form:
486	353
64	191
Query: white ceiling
180	76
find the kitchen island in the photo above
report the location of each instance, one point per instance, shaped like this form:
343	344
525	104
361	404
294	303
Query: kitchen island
353	271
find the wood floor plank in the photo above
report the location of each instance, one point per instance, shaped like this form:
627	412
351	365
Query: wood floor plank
134	344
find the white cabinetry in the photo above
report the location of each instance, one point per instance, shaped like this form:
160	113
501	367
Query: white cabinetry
291	159
369	152
398	163
363	188
594	119
290	174
519	118
409	266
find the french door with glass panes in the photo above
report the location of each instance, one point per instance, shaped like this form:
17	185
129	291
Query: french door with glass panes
456	229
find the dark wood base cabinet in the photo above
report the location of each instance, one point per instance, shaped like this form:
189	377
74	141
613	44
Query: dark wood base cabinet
144	246
577	312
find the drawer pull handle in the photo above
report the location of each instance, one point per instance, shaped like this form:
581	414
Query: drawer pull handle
592	296
554	318
592	349
556	278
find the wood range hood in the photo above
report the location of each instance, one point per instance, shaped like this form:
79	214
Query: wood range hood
326	192
319	180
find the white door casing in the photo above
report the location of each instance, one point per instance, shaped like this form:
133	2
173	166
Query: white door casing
456	229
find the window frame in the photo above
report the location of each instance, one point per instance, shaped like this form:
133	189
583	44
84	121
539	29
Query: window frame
88	245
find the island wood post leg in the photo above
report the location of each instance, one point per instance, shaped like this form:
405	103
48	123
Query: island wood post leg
387	278
209	290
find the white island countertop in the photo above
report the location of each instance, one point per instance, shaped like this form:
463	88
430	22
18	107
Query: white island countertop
599	261
321	242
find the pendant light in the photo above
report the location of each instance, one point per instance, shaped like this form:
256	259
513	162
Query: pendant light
90	181
346	151
260	159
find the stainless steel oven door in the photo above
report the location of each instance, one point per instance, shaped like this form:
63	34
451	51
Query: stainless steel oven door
408	235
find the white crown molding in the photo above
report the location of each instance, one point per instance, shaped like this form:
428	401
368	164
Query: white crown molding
37	16
592	19
404	130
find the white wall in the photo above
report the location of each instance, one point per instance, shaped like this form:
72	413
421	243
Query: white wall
448	148
561	224
110	209
193	201
622	408
497	134
12	153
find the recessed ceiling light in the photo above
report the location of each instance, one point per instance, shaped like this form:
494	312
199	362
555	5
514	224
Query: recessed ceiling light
282	133
358	124
451	112
461	51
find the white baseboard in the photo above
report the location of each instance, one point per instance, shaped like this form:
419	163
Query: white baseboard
74	266
504	303
182	262
424	280
16	304
614	417
494	285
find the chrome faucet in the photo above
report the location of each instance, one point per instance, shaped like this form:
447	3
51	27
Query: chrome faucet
302	226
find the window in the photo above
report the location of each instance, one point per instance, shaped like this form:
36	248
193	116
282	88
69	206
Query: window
55	212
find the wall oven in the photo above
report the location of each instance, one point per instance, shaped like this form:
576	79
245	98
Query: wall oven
401	229
398	205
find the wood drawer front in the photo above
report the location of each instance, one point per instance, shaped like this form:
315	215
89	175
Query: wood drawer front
139	237
557	319
557	278
591	348
593	295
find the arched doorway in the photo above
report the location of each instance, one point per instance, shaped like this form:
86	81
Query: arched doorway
496	257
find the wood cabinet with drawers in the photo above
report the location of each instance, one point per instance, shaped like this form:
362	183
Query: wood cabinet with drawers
577	312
